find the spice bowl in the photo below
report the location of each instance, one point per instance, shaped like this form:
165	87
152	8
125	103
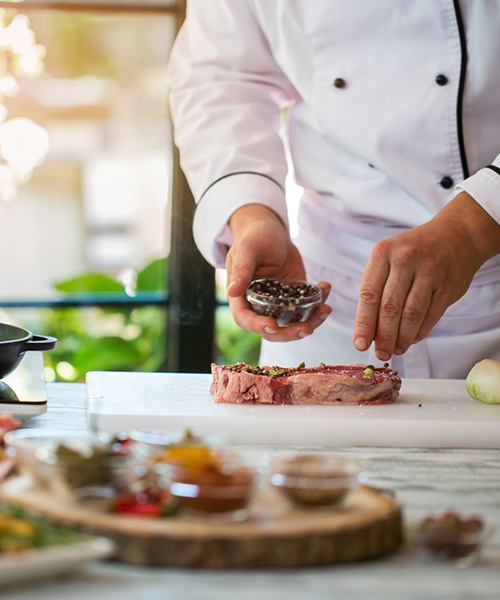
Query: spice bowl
151	443
23	444
451	537
91	471
209	483
287	301
316	480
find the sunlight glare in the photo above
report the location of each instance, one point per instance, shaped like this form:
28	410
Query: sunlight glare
23	144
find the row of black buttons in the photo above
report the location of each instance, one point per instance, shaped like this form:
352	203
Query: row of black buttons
341	83
446	182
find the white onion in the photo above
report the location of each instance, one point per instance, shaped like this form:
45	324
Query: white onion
483	381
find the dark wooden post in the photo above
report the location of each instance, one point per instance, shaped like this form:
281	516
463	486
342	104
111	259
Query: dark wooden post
191	306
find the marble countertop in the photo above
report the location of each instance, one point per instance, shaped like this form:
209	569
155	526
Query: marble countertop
424	481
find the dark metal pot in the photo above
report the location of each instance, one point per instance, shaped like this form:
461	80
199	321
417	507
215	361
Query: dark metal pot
15	341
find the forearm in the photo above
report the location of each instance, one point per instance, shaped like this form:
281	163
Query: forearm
255	215
471	221
211	229
484	187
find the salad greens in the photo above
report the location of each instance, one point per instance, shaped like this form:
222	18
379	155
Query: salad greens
21	530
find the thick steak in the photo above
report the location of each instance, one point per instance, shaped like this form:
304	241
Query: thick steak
326	384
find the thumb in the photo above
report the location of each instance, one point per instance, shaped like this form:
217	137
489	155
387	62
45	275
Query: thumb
239	280
240	270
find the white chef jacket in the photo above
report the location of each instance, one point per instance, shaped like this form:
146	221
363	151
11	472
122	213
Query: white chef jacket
393	107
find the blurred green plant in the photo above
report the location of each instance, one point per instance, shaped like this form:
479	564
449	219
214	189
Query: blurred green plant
126	338
103	339
232	343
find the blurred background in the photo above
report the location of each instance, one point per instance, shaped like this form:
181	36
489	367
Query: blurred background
86	177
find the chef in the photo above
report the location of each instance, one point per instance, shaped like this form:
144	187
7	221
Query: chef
388	114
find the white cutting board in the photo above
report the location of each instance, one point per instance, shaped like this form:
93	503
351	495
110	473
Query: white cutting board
447	417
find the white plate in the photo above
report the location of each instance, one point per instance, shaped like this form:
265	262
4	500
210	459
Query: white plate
52	560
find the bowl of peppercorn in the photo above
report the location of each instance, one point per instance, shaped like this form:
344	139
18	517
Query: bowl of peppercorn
287	301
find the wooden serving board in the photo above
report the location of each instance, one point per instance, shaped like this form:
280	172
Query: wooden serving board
274	535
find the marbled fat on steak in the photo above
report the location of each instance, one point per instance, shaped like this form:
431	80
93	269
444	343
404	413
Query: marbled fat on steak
325	384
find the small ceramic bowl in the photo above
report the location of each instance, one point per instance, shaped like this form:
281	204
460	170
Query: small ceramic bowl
287	301
315	480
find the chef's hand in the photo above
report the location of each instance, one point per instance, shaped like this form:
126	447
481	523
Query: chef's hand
262	248
411	278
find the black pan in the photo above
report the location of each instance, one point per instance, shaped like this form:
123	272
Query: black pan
15	341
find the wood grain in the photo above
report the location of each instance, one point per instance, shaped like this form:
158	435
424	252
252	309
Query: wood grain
275	535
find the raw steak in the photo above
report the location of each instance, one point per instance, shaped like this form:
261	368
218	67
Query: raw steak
325	384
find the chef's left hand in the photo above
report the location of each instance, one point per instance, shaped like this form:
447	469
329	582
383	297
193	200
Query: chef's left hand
412	278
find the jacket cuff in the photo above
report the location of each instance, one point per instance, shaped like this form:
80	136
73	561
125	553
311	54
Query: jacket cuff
211	231
484	187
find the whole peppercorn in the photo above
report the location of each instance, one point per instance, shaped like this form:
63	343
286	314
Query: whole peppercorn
285	301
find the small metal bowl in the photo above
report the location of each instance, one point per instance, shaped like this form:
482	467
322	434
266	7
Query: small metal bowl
287	301
315	480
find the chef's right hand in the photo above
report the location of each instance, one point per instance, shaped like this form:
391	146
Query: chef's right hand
262	249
